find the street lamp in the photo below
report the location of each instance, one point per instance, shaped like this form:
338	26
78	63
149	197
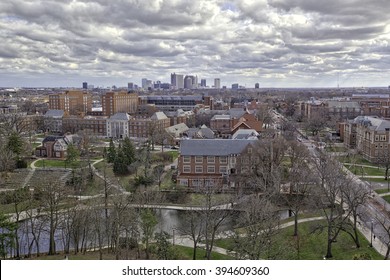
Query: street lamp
372	229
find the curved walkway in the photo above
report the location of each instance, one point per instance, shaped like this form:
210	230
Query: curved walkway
187	242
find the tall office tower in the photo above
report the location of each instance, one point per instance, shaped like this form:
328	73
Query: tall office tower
177	81
72	102
188	82
235	86
119	102
257	85
146	83
217	83
130	86
203	82
85	85
191	82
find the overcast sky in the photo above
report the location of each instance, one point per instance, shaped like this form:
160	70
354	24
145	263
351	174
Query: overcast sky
277	43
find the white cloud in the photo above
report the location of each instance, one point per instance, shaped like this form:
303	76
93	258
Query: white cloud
273	42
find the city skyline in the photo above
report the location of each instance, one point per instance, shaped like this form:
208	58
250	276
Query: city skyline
276	43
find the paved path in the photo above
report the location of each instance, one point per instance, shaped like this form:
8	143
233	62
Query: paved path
187	242
110	184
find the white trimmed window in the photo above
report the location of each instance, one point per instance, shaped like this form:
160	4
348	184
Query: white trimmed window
183	182
198	169
211	169
186	159
196	183
210	159
186	169
223	160
198	159
223	169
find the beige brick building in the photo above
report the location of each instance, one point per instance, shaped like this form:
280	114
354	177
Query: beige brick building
119	102
370	136
72	102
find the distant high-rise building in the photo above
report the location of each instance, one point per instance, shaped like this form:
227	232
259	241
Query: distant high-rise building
130	86
235	86
190	82
146	83
203	82
85	85
217	83
72	102
257	85
177	81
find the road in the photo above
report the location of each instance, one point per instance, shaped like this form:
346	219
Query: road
375	208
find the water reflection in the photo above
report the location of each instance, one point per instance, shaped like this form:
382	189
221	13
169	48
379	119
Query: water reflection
169	220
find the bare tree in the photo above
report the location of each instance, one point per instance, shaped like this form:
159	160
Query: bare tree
193	227
148	223
35	226
385	226
384	161
330	199
14	122
299	180
213	217
263	114
51	197
260	221
315	123
259	167
354	196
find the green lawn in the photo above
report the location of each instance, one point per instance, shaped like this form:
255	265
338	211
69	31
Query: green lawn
185	253
312	245
376	180
387	198
380	191
366	171
357	159
335	149
57	163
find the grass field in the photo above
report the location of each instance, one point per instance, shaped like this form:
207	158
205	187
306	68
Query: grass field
366	171
181	252
380	191
357	159
312	245
387	198
56	163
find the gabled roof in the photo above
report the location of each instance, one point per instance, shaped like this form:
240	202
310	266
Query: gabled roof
158	116
55	113
120	117
51	138
245	134
373	123
221	117
200	133
206	132
177	129
237	113
215	147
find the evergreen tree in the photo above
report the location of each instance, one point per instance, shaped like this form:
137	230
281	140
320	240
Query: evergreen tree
111	153
7	235
128	151
72	155
15	143
120	166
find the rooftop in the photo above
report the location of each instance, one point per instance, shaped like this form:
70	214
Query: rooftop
214	147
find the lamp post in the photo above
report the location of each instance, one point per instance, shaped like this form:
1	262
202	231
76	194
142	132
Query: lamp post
372	228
